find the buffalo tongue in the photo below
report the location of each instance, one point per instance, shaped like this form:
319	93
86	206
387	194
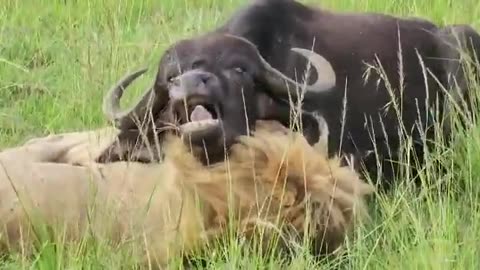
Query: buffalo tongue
200	113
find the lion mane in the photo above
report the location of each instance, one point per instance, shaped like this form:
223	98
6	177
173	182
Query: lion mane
270	182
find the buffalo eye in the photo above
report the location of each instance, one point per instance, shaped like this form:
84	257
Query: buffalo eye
239	70
170	79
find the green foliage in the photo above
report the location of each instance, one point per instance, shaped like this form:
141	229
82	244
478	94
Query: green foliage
57	59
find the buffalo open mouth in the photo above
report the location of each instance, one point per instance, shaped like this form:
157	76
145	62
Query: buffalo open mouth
197	115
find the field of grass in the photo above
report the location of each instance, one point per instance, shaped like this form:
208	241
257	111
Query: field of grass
57	59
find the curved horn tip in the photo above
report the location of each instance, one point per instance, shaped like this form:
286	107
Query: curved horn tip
142	70
324	132
326	75
127	79
111	100
136	73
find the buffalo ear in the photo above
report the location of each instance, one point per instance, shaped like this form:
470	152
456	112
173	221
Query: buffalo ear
315	129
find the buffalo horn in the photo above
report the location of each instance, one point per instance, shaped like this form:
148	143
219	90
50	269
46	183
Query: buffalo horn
111	102
281	84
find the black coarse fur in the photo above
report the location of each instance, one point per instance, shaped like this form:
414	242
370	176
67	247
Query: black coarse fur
352	42
359	111
362	119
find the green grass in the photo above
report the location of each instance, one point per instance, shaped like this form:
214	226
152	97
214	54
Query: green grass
57	59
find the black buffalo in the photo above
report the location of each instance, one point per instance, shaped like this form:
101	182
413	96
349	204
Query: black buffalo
246	70
208	100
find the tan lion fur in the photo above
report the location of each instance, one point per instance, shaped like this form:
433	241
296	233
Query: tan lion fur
178	205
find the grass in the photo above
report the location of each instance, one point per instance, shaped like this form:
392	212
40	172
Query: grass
57	58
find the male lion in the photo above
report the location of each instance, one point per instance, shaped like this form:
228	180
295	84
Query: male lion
272	178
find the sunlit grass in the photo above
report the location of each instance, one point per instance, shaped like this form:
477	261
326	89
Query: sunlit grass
57	59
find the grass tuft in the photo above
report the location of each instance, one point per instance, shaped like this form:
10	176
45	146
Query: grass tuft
58	58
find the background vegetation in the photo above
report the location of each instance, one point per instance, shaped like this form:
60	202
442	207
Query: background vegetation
57	59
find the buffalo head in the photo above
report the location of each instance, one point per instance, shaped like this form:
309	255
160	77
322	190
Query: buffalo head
210	90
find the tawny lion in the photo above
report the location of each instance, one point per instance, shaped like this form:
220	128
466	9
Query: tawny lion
273	179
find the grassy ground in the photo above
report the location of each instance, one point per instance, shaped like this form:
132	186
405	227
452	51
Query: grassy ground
57	58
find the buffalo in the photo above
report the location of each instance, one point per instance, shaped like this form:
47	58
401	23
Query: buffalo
374	77
212	104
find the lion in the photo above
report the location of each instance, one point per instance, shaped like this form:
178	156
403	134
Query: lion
273	181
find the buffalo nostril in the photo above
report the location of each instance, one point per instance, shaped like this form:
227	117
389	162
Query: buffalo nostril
204	78
192	80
